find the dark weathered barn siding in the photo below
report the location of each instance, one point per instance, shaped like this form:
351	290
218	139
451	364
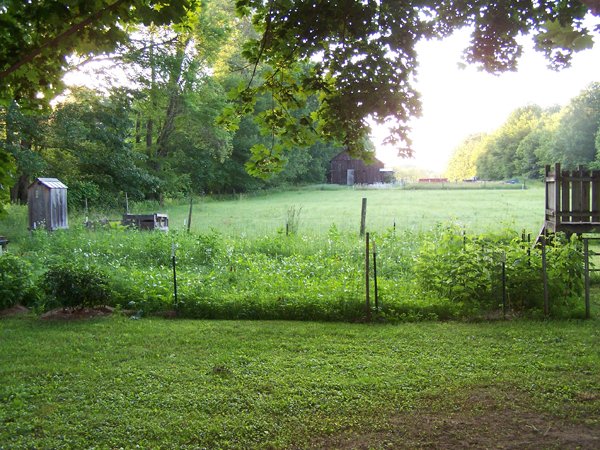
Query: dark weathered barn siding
47	203
347	170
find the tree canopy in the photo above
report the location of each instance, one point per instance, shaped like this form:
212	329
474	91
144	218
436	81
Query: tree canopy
533	137
314	71
37	38
359	56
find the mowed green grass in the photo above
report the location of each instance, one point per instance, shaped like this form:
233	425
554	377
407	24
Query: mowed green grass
478	210
154	383
321	207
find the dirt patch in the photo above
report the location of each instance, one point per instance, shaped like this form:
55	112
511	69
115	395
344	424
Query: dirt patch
77	313
16	310
484	418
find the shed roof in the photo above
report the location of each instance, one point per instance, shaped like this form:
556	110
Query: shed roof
52	183
345	156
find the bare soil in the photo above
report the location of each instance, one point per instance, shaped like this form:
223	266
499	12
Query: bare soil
77	313
483	418
14	311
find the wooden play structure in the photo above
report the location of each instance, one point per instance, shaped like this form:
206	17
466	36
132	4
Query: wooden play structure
572	207
572	201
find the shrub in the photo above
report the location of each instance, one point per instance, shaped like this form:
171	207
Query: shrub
76	284
468	271
16	281
455	268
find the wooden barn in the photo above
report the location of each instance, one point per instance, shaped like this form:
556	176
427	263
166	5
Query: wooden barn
47	204
344	169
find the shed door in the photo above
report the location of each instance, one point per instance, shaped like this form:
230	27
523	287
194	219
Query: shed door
350	177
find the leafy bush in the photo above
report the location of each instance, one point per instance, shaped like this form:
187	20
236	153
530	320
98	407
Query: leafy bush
422	275
468	271
455	268
76	284
16	281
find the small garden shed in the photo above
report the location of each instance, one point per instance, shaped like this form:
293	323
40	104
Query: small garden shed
344	169
47	202
153	221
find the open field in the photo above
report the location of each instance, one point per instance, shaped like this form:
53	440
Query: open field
477	210
155	383
433	269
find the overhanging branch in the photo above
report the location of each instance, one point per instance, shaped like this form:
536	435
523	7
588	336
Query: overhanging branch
55	41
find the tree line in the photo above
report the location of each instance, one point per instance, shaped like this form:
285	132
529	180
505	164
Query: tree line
155	133
531	138
274	75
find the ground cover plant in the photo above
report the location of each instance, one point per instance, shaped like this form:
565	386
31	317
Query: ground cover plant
156	383
321	206
446	271
443	274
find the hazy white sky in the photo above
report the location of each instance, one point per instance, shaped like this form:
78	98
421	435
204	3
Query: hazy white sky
459	102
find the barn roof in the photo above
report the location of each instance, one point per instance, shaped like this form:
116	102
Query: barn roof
344	155
52	183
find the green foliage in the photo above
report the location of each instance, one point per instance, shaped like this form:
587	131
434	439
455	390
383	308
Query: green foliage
76	284
468	271
36	39
92	134
156	383
532	138
463	163
16	281
576	131
366	59
7	167
440	274
456	269
499	158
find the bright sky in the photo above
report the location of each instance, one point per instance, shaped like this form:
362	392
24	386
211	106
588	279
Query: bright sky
459	102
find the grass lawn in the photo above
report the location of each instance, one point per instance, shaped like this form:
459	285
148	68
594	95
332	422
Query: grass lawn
478	210
155	383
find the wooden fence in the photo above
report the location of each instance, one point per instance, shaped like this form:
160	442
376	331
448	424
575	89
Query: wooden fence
572	200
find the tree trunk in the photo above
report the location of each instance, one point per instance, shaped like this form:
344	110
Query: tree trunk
18	193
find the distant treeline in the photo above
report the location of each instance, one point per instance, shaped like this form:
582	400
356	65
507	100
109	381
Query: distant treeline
531	138
155	132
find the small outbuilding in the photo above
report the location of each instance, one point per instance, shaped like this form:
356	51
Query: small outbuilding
153	221
47	203
344	169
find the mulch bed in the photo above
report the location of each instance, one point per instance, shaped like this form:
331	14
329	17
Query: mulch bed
77	313
16	310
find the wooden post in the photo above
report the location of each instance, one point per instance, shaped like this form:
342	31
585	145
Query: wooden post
545	278
566	205
375	276
576	196
126	204
557	179
367	299
586	178
595	196
586	261
504	285
174	274
189	223
363	217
